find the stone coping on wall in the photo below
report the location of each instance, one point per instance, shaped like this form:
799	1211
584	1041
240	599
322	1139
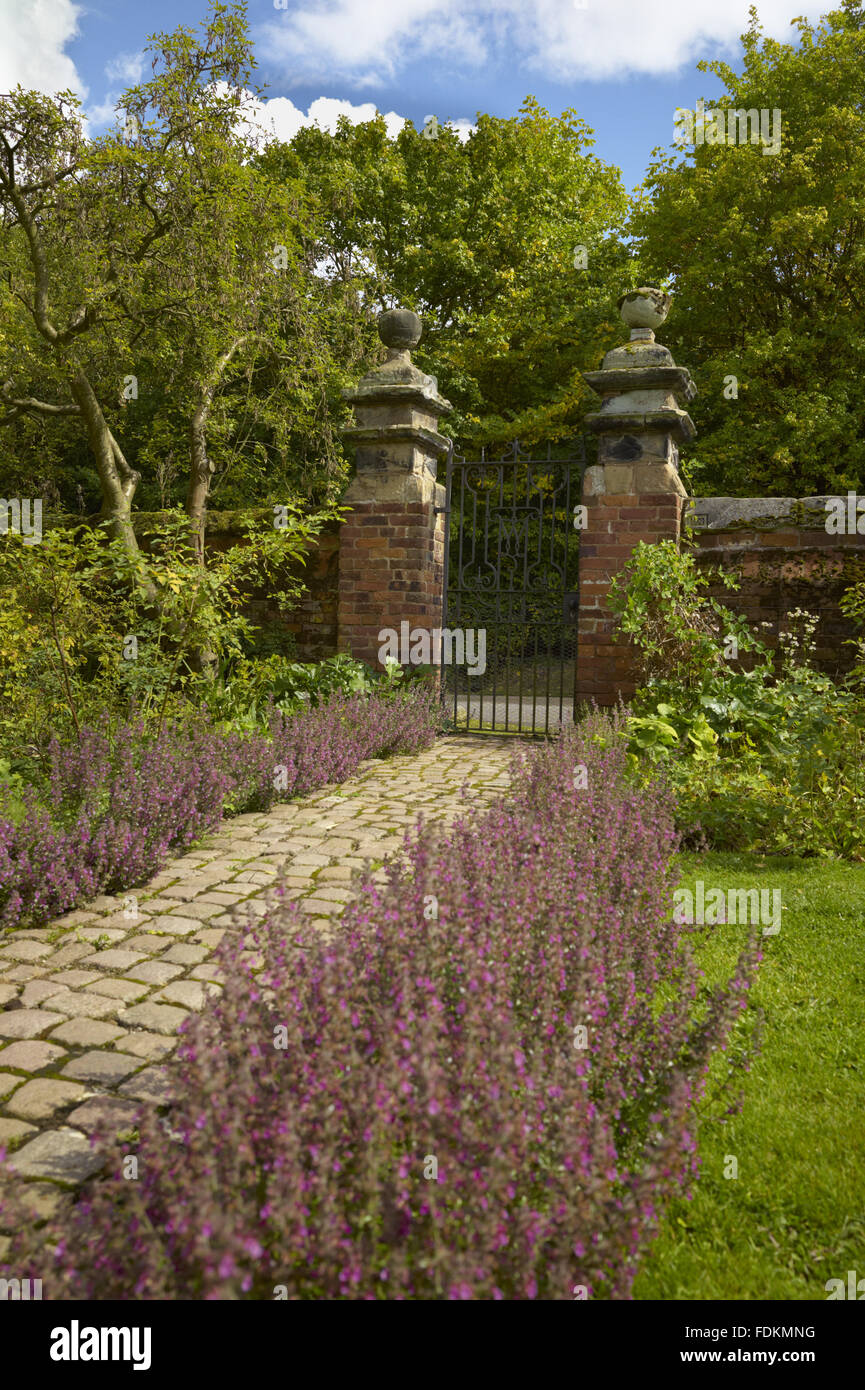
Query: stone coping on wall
757	513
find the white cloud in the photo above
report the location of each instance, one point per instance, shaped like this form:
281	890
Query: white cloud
280	117
126	68
35	33
463	127
102	114
363	43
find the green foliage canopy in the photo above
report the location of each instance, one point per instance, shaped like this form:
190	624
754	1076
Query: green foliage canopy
765	254
479	237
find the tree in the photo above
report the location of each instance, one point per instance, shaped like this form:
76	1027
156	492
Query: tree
765	254
182	273
484	239
155	259
43	172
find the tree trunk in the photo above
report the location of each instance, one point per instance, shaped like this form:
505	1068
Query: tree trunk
200	472
201	659
200	468
117	480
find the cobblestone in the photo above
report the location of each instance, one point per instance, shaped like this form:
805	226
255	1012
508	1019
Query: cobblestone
175	926
74	979
43	1098
113	960
107	1068
152	1047
150	945
79	1005
190	994
19	972
155	972
87	1016
106	1114
184	955
152	1085
61	1154
27	1023
31	1056
25	950
35	992
126	990
67	955
86	1032
207	972
92	934
159	1018
13	1130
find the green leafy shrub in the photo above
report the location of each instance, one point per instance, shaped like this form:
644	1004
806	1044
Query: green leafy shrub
247	691
659	602
264	642
852	605
771	758
82	636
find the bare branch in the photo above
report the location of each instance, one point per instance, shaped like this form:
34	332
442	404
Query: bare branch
26	189
22	403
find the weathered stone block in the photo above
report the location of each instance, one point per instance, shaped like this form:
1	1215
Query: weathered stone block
61	1154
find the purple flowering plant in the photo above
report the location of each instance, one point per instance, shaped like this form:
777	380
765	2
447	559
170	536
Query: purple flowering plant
479	1085
115	807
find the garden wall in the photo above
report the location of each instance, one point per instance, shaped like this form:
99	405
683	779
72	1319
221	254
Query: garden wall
778	548
784	558
313	621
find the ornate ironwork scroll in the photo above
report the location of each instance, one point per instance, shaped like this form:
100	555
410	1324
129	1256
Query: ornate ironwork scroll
511	573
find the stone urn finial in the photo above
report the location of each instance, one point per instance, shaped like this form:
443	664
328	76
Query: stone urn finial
399	329
643	416
644	310
397	405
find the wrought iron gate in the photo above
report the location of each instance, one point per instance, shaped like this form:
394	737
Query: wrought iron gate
509	643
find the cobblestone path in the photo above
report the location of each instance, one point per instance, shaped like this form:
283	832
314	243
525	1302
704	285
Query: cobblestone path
91	1002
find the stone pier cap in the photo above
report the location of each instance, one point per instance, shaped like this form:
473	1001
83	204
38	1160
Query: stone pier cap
642	418
396	403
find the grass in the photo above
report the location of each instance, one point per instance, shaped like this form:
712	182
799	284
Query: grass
795	1215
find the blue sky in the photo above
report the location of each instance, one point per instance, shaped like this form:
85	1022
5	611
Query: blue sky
624	65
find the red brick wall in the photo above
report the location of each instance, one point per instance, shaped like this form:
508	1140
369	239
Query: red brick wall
391	571
390	556
313	621
616	522
797	567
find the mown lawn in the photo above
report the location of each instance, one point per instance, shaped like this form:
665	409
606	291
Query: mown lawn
795	1216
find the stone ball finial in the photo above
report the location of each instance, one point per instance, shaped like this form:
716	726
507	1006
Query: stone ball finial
399	329
644	307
